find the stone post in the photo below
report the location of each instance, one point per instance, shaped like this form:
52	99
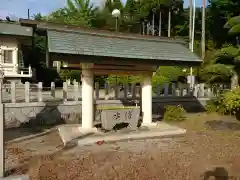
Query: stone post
177	92
173	89
158	91
180	85
195	90
40	86
125	91
53	89
2	123
68	81
106	89
166	89
116	91
133	90
189	91
184	92
97	90
65	86
209	93
76	91
13	92
27	92
201	89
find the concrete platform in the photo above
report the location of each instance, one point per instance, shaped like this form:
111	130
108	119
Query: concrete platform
73	134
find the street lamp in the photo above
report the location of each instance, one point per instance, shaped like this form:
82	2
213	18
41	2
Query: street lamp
116	14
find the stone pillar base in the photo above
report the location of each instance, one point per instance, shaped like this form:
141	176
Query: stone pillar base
88	130
70	132
152	124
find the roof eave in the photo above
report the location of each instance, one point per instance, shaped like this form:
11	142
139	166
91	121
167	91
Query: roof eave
155	62
13	29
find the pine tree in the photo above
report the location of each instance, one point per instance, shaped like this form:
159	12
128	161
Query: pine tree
130	7
108	5
117	4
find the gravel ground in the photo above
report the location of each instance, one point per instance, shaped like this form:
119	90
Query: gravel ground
211	147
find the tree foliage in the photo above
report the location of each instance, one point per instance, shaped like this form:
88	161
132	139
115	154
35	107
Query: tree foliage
77	12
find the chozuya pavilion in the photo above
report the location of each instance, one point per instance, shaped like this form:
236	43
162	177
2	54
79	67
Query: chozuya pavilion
101	53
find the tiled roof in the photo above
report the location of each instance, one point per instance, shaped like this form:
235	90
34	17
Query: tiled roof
120	46
15	29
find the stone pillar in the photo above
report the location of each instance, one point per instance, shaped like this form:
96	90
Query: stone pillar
147	100
87	96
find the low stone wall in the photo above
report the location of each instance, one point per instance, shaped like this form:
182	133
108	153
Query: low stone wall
37	113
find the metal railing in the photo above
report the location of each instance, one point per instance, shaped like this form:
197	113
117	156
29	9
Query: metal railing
11	70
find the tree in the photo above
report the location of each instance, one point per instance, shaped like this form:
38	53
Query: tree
77	12
226	61
38	17
226	64
117	4
130	8
217	14
108	5
233	25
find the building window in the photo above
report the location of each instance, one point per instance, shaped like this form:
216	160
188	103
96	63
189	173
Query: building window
8	56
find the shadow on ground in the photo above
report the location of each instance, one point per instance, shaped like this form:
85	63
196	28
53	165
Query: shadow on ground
223	125
15	133
219	173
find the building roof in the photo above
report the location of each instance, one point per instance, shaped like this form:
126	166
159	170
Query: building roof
9	28
72	40
117	46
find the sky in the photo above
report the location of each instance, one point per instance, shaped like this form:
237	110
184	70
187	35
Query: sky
19	8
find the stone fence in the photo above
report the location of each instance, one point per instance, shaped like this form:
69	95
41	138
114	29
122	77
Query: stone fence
27	92
32	104
49	113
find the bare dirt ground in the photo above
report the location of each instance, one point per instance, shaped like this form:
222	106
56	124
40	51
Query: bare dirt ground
211	147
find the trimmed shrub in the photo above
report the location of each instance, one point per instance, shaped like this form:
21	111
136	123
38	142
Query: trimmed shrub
216	105
174	113
231	101
227	103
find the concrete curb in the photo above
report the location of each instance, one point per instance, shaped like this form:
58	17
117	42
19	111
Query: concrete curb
133	136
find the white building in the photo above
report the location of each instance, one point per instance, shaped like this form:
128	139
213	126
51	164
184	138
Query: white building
12	37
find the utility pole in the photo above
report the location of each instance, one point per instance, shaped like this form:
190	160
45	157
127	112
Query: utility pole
190	23
28	13
203	43
169	22
193	13
153	22
193	25
160	23
143	27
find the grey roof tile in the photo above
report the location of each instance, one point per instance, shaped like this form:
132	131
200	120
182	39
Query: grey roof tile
15	29
118	46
